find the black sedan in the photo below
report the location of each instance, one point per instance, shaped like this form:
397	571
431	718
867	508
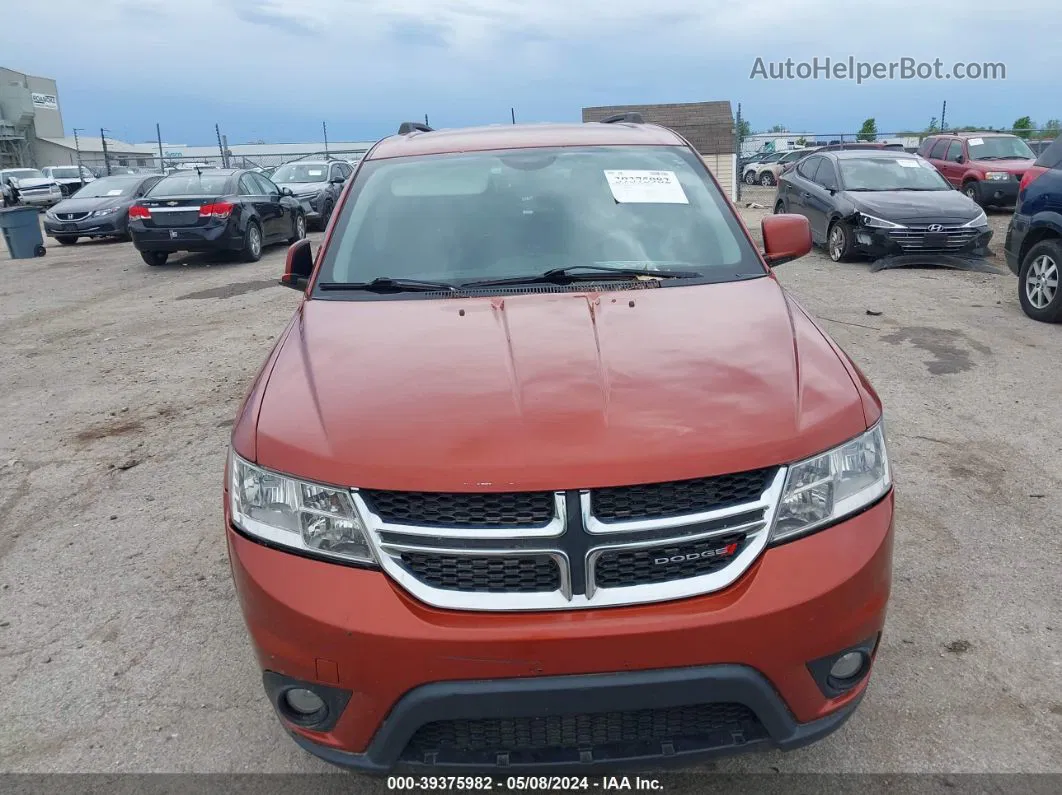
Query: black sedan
891	206
223	210
100	209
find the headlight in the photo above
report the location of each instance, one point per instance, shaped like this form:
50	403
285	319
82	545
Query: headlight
878	223
108	211
980	220
832	485
295	514
998	175
55	189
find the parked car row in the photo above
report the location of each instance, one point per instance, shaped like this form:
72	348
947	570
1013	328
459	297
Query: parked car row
927	208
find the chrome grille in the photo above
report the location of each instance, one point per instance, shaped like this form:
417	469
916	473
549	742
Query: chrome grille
502	551
952	238
71	216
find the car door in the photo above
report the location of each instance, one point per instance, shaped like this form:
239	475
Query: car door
279	220
252	197
795	187
935	152
822	200
950	166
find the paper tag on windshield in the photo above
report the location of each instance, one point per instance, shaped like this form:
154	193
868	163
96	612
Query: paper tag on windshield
114	192
315	173
976	141
646	187
908	163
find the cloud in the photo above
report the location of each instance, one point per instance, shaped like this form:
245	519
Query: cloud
271	15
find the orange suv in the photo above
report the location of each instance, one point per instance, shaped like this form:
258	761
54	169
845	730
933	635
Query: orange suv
548	472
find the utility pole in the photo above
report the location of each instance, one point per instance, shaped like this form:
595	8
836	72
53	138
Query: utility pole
106	157
77	148
943	111
324	129
512	112
426	120
221	147
162	159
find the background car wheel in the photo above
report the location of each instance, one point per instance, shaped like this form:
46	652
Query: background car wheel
970	189
750	178
1039	282
252	243
66	240
839	241
298	230
767	179
326	213
779	208
154	258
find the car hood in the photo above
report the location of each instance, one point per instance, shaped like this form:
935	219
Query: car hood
303	187
1014	166
34	182
87	204
553	391
918	207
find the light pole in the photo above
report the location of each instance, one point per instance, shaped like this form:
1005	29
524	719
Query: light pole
77	148
106	158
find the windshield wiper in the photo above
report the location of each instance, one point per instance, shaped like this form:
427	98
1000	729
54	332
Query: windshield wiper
385	284
594	273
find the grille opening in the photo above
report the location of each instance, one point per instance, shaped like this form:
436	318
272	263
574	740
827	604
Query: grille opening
678	497
497	574
623	568
631	733
440	509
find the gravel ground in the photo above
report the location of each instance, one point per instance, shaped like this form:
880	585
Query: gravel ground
122	647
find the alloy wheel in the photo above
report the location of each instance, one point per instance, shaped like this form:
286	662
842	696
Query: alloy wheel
1041	283
836	243
255	240
300	227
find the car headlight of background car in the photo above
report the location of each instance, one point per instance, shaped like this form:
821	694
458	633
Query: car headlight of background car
980	220
873	222
106	211
302	516
998	176
830	486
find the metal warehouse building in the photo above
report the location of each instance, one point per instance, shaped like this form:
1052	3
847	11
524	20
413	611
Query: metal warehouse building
708	126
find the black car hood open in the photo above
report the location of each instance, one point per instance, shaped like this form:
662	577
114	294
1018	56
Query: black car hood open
916	207
88	204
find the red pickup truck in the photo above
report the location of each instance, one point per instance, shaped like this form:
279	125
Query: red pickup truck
548	472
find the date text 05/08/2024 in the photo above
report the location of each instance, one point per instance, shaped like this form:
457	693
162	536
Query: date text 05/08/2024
516	783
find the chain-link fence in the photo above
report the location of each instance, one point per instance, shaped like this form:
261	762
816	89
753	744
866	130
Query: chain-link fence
124	163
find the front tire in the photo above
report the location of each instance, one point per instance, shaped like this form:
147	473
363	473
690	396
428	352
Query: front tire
66	240
1038	282
779	208
326	214
252	243
298	228
767	179
750	177
839	241
154	258
972	193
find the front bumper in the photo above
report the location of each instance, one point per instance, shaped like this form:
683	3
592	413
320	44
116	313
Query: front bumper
310	206
403	663
990	191
101	226
910	243
1016	232
223	237
41	200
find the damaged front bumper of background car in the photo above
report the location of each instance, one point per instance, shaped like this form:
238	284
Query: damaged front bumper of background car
949	244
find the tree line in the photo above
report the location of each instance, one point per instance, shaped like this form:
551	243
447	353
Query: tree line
1023	127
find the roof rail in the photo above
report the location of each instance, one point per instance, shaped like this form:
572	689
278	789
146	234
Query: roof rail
628	118
406	127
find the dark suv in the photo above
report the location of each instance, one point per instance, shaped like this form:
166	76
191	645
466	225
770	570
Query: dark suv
1034	238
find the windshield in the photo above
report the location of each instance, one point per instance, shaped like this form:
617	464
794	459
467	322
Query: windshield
190	184
890	173
301	172
518	213
66	173
108	186
796	155
999	147
23	173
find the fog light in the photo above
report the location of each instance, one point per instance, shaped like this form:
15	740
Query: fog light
847	666
864	239
303	702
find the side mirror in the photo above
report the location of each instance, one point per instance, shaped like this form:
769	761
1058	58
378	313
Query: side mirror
299	266
337	180
785	237
960	159
287	192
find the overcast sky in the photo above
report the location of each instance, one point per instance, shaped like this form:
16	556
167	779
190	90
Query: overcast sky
274	69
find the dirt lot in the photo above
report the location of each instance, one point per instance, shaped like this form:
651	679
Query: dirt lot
121	644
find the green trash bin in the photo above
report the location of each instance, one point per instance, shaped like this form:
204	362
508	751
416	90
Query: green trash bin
22	232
